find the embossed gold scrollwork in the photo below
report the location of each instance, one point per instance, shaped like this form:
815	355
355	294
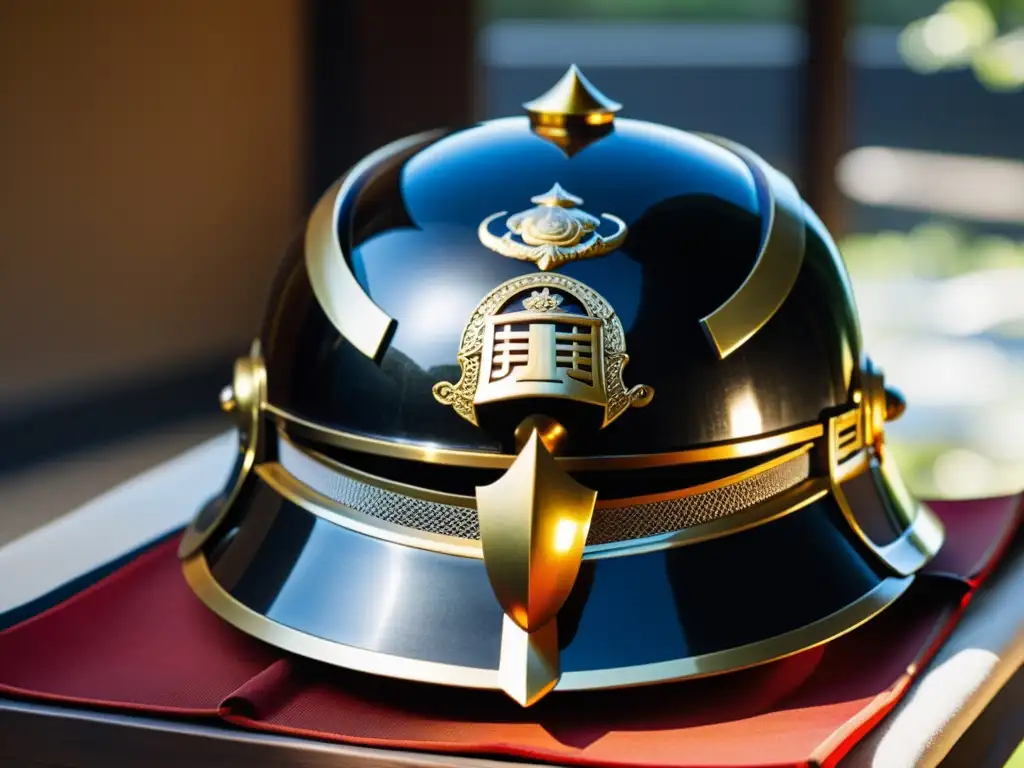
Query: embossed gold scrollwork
553	233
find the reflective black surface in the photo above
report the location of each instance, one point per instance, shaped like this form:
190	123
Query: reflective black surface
868	499
304	572
309	574
410	230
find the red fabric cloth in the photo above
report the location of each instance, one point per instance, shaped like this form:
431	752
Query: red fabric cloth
977	532
134	640
139	640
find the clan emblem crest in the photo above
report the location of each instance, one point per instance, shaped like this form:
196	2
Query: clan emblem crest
543	335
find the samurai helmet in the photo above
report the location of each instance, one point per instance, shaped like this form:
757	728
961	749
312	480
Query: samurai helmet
561	401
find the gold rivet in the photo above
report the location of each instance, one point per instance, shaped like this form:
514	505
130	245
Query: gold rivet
895	404
227	399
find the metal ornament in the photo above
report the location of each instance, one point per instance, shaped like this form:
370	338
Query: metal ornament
573	96
528	664
533	527
553	233
534	522
855	444
572	114
544	350
244	400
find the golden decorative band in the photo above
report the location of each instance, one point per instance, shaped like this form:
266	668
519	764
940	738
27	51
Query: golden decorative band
615	520
921	536
295	425
854	443
391	516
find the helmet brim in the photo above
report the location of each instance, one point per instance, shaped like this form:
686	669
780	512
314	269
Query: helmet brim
280	572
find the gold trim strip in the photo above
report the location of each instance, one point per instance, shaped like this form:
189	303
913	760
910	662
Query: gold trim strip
916	545
779	506
384	483
197	574
342	298
430	454
248	397
778	262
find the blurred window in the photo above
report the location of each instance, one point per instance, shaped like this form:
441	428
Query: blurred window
934	178
935	248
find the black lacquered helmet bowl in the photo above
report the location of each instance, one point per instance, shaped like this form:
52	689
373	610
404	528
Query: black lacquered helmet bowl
563	401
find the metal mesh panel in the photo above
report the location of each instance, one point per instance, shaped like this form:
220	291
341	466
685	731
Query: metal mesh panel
609	524
636	522
429	516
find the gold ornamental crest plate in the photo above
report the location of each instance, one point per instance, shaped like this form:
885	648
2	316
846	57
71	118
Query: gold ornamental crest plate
566	342
552	233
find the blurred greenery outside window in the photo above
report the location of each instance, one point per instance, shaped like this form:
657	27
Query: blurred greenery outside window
941	310
871	12
985	35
